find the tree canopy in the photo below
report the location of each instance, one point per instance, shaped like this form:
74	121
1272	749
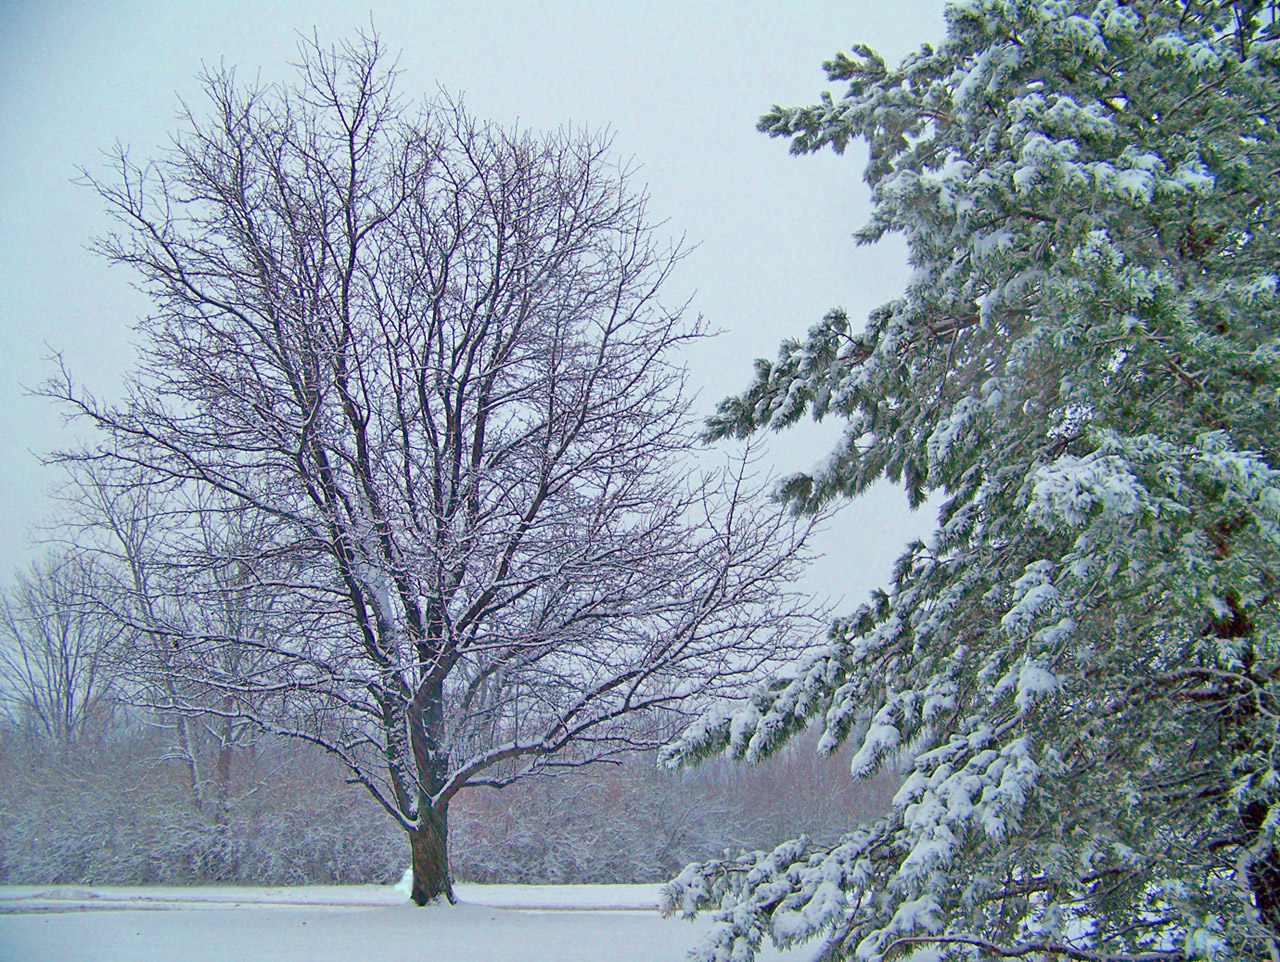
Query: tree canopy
1077	673
404	469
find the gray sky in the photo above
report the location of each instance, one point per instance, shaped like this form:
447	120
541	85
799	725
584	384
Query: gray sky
680	84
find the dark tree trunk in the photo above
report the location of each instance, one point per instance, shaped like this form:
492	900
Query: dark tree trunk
430	843
1264	869
1264	880
430	846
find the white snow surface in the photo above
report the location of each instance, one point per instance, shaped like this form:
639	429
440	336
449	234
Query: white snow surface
344	923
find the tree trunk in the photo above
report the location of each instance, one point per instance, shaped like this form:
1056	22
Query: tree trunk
222	771
430	847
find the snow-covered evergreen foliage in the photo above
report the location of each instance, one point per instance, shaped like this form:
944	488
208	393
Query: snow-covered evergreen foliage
1078	673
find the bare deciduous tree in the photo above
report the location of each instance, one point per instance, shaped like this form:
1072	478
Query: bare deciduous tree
58	650
428	357
166	571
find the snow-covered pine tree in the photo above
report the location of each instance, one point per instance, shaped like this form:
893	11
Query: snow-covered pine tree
1078	673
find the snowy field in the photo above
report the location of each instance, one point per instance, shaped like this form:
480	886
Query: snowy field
343	923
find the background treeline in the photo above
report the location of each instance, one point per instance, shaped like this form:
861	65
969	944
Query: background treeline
115	806
95	787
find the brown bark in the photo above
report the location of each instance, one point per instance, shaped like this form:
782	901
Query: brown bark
430	847
222	770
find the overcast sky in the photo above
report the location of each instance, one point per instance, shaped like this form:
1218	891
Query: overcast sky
681	85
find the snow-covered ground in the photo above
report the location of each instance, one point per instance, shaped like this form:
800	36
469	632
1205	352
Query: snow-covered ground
342	923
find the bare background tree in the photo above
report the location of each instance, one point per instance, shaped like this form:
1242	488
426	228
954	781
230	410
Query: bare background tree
412	413
59	651
165	603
